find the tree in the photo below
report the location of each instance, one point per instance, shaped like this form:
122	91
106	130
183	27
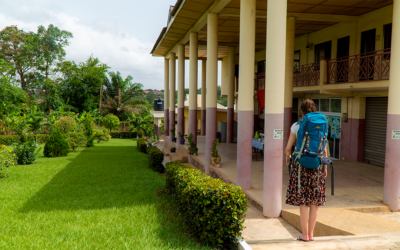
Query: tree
51	43
110	121
12	98
81	83
19	49
122	96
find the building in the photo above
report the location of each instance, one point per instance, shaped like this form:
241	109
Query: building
274	54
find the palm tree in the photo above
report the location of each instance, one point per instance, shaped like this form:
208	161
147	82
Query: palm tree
34	122
122	96
137	124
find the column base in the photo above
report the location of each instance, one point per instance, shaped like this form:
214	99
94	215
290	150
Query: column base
391	183
166	122
211	135
244	151
273	148
229	136
203	122
193	124
181	120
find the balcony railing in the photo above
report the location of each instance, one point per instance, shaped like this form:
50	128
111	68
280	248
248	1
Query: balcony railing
372	66
260	81
306	75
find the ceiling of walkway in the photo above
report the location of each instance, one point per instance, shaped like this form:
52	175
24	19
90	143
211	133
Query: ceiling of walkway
190	12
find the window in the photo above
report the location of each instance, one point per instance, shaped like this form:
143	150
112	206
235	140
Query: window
387	33
261	67
296	58
328	105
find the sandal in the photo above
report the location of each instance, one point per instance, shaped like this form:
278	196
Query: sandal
300	239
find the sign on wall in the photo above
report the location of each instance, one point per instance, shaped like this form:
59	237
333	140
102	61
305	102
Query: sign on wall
278	134
396	134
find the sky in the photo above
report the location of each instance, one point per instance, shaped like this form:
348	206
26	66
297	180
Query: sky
121	33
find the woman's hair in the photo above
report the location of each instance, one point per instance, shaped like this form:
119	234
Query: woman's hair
308	106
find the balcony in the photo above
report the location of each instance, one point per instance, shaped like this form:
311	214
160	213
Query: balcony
373	66
306	75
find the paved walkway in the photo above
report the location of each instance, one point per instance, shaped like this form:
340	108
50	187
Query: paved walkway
276	233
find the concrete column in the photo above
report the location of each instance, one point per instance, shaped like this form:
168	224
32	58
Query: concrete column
166	97
352	131
193	57
203	96
181	89
290	30
231	93
246	92
172	65
391	184
274	107
212	82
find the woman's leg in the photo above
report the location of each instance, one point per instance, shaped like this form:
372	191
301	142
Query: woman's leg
313	220
304	221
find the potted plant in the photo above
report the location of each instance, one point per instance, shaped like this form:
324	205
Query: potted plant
173	134
181	139
192	145
173	150
215	157
257	136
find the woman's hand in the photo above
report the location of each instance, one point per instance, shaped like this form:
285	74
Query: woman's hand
325	171
287	160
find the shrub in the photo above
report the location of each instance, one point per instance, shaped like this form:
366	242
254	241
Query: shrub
126	135
26	152
88	125
214	210
76	139
8	140
111	121
156	158
56	145
142	146
7	159
101	135
65	125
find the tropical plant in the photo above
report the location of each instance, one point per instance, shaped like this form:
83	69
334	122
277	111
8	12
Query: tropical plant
26	152
76	139
65	125
88	125
137	124
101	135
172	130
214	149
122	96
7	159
111	121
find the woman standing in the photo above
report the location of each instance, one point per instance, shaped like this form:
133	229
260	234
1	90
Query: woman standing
311	191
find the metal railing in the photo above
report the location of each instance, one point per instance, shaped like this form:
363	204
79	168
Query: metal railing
306	75
372	66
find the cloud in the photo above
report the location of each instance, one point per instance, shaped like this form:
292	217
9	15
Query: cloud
100	38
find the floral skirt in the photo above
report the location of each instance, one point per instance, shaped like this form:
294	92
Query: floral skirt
311	192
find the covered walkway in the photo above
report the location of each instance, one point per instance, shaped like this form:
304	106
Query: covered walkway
356	184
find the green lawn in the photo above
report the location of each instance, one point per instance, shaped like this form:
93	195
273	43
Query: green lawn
99	198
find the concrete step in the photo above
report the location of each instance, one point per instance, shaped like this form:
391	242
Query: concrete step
175	157
341	221
184	155
166	151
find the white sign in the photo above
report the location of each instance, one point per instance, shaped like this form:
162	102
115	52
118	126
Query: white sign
278	134
396	134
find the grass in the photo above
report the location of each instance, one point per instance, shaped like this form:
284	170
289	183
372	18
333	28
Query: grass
104	197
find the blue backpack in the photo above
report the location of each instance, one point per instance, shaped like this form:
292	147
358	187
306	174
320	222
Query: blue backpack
311	140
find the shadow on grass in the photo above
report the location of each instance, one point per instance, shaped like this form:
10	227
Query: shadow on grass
98	178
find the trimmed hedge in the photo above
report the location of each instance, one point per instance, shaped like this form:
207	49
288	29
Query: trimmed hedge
10	139
125	135
214	210
156	158
142	146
